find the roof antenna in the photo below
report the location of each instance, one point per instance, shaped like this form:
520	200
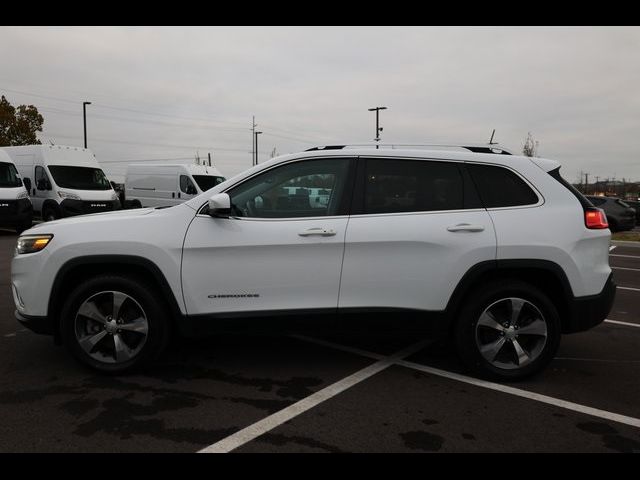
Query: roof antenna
491	142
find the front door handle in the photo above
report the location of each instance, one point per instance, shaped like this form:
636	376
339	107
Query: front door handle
465	227
324	232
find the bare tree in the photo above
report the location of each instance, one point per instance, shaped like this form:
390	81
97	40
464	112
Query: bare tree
530	147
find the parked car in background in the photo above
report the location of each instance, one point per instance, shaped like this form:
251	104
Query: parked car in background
620	215
167	185
16	210
63	181
635	204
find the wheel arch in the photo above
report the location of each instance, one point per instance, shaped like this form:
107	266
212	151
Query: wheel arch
545	275
77	269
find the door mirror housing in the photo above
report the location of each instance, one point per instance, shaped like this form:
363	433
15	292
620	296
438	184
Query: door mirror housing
27	184
220	205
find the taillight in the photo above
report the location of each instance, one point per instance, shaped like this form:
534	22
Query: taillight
595	218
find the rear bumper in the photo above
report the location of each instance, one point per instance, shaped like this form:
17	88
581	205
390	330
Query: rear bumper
42	325
587	312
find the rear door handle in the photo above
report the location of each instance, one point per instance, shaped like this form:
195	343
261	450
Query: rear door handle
465	227
324	232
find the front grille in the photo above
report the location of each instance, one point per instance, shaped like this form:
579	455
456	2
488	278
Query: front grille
8	207
97	206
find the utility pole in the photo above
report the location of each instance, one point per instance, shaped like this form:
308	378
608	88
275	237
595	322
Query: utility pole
254	160
586	181
84	118
378	127
255	135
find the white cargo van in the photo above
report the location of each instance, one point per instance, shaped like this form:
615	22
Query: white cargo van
63	181
167	185
16	210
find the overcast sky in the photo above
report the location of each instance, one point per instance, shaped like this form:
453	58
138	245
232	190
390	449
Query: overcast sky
170	93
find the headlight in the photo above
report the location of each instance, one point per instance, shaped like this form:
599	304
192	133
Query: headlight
23	194
32	243
70	196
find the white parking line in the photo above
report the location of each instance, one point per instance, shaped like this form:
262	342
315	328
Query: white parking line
272	421
627	324
626	268
628	288
576	407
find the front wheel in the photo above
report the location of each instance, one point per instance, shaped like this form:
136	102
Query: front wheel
508	331
114	324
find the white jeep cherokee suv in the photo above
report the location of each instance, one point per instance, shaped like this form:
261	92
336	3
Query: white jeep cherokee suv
497	249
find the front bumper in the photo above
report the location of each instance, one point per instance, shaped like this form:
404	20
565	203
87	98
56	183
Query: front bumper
42	325
587	312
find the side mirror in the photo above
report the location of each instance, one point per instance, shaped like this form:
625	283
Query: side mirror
220	205
191	190
27	184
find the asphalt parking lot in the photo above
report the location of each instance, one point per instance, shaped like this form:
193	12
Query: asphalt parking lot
366	392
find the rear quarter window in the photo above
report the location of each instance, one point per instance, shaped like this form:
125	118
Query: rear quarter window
500	187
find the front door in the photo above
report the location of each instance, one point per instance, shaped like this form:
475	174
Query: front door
281	249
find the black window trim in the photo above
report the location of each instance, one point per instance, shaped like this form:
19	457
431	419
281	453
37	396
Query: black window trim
541	199
346	201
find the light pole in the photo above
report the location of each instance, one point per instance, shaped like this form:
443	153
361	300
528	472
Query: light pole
256	137
84	118
378	127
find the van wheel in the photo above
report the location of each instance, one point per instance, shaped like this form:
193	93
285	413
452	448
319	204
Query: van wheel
508	331
114	324
49	214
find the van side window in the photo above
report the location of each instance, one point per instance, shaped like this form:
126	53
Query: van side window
187	186
42	180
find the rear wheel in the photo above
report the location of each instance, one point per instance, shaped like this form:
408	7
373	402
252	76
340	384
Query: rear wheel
508	331
114	324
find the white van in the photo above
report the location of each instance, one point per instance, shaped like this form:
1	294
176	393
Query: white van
16	210
63	181
167	185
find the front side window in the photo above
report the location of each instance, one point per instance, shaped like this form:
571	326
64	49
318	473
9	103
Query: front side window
310	188
42	180
206	182
395	186
80	178
187	186
9	176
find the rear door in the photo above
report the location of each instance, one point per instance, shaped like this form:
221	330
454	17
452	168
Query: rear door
417	228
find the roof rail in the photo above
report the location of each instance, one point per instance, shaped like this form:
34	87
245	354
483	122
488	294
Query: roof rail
493	148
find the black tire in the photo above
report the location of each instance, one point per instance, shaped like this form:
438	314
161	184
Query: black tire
147	299
49	214
467	329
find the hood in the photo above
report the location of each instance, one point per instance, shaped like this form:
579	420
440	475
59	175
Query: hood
93	218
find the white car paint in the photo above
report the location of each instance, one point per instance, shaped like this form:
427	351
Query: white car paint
391	260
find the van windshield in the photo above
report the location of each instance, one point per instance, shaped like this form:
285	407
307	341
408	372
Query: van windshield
9	176
205	182
80	178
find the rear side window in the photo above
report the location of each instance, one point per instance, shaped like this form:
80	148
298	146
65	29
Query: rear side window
393	186
500	187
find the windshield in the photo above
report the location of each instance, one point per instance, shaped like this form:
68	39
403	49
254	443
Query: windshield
81	178
205	182
9	176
